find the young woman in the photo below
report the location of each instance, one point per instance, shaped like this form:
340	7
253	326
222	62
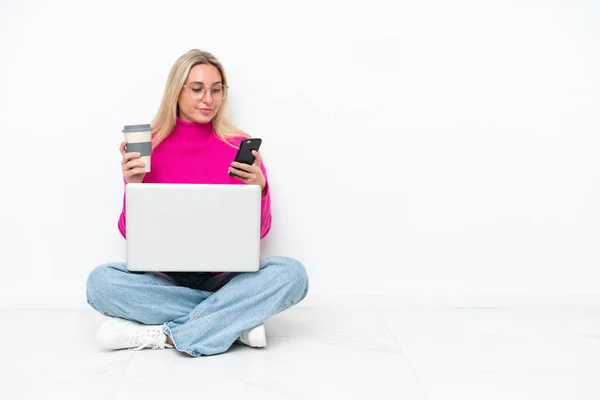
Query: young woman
197	313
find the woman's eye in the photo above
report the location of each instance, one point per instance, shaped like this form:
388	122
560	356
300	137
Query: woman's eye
197	90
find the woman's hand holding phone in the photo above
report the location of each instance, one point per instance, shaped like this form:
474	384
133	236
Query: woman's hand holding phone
250	174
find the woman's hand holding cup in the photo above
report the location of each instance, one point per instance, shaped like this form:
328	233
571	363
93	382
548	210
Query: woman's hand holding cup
131	165
136	151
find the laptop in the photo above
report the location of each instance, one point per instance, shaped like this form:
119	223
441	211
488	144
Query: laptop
193	227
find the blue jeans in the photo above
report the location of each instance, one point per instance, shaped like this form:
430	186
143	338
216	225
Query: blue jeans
202	313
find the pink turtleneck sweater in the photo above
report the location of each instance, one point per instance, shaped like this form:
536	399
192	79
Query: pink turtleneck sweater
192	153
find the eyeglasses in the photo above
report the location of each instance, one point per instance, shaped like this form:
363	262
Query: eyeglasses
198	90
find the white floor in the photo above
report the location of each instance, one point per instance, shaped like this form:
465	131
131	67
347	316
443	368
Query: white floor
319	353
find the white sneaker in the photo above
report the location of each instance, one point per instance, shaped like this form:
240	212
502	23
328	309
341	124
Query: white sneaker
255	337
117	333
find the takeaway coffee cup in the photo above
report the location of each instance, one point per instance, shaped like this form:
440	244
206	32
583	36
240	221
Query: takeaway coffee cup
139	140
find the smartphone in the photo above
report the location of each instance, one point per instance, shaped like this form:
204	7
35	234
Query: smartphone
244	154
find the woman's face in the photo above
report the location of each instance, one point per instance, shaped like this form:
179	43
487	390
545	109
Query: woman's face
200	100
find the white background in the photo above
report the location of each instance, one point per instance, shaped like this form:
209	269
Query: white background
412	147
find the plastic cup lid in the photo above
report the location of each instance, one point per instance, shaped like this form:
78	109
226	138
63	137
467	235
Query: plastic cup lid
137	128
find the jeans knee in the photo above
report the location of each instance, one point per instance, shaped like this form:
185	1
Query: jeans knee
97	281
295	273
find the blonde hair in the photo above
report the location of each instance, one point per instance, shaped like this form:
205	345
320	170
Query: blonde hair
165	118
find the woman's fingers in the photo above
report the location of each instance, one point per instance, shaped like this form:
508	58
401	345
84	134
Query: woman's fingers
243	166
257	158
137	166
134	171
127	157
134	163
240	173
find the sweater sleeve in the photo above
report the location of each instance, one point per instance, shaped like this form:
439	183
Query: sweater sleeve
265	207
122	219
